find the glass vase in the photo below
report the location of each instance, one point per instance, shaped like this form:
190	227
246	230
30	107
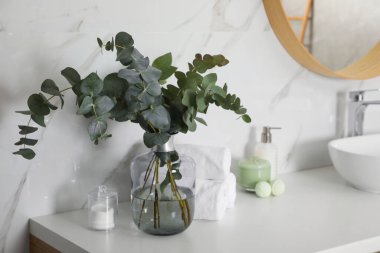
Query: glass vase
163	186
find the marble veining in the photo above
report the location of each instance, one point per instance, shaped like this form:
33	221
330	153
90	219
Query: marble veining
284	92
9	213
49	36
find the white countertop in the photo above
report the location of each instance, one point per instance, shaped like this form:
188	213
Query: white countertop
319	212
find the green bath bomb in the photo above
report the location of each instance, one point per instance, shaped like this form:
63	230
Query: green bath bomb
278	187
263	189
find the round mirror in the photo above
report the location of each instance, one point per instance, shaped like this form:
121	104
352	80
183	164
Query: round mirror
337	38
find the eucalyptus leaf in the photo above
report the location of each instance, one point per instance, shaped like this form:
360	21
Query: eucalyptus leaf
27	129
114	86
71	75
91	85
201	103
27	153
154	139
100	42
200	120
48	86
139	62
26	141
24	112
124	54
153	88
163	63
246	118
103	105
151	74
46	101
123	40
200	66
86	105
189	98
108	46
157	116
209	80
39	119
131	76
96	129
37	105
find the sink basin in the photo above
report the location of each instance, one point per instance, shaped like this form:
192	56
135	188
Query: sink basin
357	160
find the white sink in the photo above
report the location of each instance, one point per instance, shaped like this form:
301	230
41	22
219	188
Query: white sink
357	159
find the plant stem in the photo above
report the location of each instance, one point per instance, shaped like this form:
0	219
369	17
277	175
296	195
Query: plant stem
27	125
65	89
156	206
150	168
184	205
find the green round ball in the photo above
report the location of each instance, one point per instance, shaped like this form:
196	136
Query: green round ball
263	189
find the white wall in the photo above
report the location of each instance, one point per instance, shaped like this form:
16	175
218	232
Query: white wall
41	37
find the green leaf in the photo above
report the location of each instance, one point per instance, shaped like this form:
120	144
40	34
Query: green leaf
209	61
46	101
131	76
25	112
27	153
124	54
37	105
71	75
162	62
123	40
85	106
26	141
108	46
201	103
188	119
96	129
112	44
139	62
158	116
27	129
209	80
241	110
100	42
48	86
246	118
91	85
151	74
103	105
200	66
216	90
200	120
114	86
189	98
220	60
154	139
39	119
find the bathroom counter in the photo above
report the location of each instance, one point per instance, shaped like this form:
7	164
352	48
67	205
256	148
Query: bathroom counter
319	212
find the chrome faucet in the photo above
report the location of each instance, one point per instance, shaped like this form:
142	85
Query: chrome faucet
356	110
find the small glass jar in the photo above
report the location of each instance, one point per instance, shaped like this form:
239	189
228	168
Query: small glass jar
252	171
102	208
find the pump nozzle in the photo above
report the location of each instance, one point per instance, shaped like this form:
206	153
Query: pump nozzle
266	135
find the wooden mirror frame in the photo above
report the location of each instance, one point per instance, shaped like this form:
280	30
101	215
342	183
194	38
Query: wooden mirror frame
365	68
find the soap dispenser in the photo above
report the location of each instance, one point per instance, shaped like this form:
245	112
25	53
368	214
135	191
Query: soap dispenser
267	150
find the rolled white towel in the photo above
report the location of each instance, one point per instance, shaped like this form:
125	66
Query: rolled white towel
212	198
211	162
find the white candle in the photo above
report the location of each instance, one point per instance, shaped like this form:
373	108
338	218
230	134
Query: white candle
101	218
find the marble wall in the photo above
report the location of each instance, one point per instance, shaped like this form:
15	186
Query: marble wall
41	37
